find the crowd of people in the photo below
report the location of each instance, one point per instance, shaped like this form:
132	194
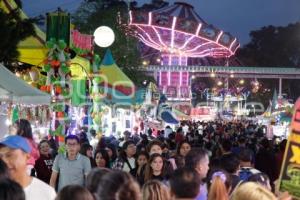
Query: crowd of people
197	161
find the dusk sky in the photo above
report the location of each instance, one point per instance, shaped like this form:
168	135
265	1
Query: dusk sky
238	17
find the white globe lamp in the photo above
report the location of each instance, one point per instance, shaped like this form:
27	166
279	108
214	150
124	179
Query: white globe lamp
104	36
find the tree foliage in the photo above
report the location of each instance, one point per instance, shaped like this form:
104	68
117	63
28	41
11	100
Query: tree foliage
274	47
13	29
113	13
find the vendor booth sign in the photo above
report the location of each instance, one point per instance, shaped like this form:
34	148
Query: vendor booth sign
290	170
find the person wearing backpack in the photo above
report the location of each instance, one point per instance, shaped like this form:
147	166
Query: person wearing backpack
246	166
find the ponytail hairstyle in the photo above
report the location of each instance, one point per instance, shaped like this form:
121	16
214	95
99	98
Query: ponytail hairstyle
219	186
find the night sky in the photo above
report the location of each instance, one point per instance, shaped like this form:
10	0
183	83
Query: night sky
238	17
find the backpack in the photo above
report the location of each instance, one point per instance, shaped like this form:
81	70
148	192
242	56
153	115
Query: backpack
245	174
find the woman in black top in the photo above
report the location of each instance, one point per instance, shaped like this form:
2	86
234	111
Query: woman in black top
155	168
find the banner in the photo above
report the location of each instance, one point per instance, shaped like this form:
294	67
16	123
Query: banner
290	170
58	26
82	41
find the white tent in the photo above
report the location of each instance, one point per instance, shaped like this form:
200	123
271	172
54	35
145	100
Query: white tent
17	91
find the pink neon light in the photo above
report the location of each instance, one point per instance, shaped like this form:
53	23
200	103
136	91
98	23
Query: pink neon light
150	18
219	36
188	76
149	37
198	29
141	37
185	60
173	30
169	78
186	42
159	38
197	47
207	51
232	43
159	77
200	37
180	63
130	17
180	75
236	48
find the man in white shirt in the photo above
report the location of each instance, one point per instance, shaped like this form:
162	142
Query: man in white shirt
15	151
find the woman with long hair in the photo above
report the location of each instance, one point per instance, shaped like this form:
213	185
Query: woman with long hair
102	158
23	128
112	153
155	190
155	168
87	150
140	162
183	149
126	159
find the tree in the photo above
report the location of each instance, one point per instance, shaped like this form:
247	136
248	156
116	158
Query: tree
155	4
113	13
13	30
274	47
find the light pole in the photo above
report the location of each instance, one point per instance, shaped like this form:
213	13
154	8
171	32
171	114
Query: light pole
253	106
103	37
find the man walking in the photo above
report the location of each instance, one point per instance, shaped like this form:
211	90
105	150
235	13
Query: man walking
72	167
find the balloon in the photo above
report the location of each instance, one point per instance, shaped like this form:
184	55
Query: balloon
43	88
64	68
61	44
97	80
50	44
47	68
55	63
60	114
58	90
96	58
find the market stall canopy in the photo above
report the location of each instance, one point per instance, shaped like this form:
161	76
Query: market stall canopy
17	91
114	77
117	87
80	67
114	97
32	49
